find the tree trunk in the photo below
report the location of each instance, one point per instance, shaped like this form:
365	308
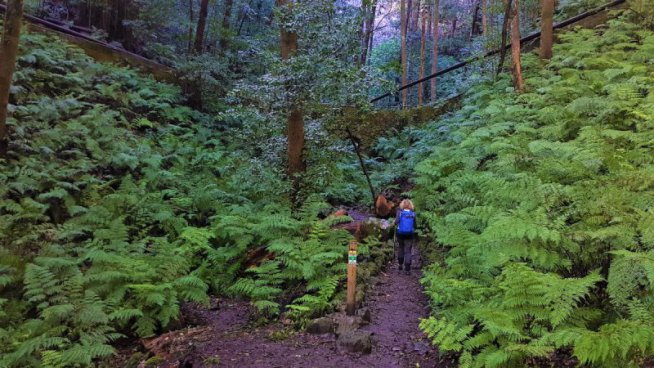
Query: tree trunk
429	19
369	30
118	12
547	30
363	42
474	28
295	133
505	33
202	24
9	48
241	21
518	82
195	86
369	52
415	16
434	51
409	8
190	27
295	124
484	19
225	29
372	32
403	51
423	35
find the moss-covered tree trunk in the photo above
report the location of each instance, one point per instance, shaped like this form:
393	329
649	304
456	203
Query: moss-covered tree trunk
547	29
9	49
518	81
295	122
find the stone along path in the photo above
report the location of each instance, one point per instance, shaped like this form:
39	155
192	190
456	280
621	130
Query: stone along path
396	304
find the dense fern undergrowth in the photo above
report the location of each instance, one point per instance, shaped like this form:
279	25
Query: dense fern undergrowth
118	203
544	203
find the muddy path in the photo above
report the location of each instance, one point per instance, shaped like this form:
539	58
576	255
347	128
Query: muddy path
396	303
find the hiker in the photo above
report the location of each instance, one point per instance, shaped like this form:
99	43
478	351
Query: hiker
405	219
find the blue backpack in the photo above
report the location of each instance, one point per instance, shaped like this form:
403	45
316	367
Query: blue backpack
406	225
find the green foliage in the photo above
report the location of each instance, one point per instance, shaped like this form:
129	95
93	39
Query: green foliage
641	12
117	204
571	8
90	208
543	202
315	261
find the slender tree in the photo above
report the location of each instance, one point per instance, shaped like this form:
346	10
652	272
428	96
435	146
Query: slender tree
484	19
505	34
423	36
414	16
518	82
429	19
434	52
363	35
474	27
240	20
371	30
547	29
190	27
403	51
202	25
9	49
227	15
369	13
295	122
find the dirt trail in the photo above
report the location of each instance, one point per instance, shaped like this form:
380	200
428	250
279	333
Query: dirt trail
396	303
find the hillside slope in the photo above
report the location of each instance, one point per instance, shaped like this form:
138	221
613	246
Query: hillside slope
118	204
543	203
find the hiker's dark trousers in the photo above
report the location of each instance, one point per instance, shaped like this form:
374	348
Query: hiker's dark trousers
405	245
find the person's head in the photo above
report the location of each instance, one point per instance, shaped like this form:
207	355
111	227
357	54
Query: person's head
406	204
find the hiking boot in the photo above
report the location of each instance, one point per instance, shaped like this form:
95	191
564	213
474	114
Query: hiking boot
407	269
407	272
400	262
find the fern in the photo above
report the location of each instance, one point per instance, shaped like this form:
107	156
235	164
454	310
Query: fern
545	211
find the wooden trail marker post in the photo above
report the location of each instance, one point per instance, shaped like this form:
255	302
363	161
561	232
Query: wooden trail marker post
351	278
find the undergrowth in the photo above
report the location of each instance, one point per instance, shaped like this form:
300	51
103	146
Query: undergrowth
544	203
117	204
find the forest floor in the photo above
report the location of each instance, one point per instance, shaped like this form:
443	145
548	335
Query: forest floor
226	338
